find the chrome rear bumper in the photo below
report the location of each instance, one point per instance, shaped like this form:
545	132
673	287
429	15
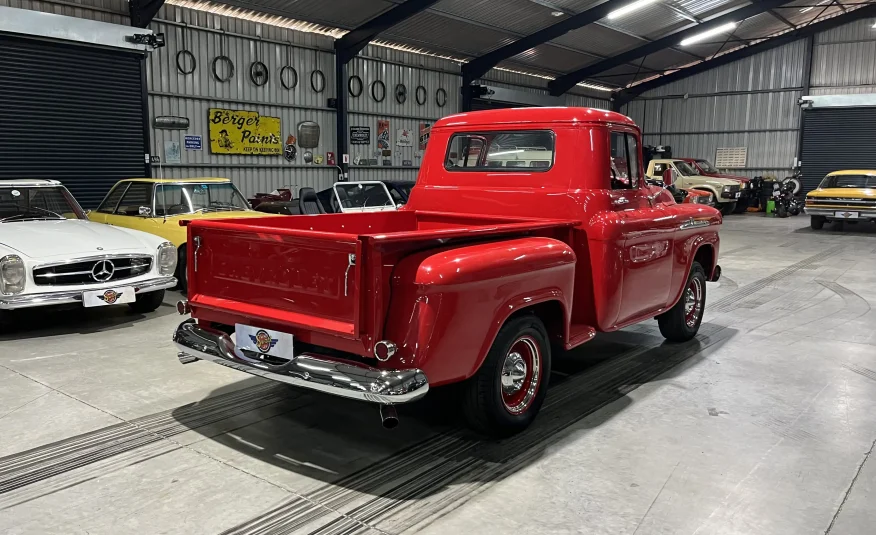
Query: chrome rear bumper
62	297
314	372
863	213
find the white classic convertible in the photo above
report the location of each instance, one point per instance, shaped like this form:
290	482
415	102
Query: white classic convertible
50	254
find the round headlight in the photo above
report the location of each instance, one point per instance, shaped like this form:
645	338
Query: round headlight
166	259
12	274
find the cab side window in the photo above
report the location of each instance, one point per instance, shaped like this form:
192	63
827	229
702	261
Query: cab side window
624	161
112	199
139	194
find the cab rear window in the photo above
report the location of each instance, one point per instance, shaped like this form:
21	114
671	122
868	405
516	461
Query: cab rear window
501	151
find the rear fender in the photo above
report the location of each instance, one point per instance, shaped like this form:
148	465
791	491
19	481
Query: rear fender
447	306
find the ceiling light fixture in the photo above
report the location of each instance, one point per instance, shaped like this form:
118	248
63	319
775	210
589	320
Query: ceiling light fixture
557	13
874	26
724	28
810	8
629	8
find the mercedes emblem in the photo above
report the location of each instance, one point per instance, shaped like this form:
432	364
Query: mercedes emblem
103	270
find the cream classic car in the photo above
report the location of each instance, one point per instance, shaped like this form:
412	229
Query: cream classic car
50	254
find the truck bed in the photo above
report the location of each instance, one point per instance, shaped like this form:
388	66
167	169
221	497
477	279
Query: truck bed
324	278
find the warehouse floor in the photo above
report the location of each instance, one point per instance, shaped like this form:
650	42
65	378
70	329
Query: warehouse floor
764	424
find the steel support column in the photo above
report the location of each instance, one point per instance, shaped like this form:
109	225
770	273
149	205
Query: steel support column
807	80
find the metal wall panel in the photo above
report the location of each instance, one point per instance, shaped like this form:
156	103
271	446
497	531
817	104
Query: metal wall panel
766	150
113	11
845	64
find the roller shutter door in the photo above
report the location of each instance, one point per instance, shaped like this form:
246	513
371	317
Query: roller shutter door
71	113
836	139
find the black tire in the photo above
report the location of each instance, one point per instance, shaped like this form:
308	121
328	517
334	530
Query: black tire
486	402
182	283
741	207
147	302
781	211
674	324
727	208
816	222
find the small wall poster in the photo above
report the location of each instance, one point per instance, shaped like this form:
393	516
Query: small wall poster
425	130
194	143
404	138
360	135
172	152
382	134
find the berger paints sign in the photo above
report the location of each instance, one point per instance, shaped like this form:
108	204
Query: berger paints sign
244	132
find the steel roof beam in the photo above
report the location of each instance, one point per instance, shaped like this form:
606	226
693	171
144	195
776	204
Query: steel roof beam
143	11
791	36
358	38
568	81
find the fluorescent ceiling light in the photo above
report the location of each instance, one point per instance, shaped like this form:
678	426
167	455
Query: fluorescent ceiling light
724	28
874	26
810	8
557	13
629	8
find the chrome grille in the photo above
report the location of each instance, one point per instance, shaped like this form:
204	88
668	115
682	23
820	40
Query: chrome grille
92	270
862	203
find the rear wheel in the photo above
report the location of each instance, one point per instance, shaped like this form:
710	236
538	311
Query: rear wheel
681	322
506	393
182	283
741	206
781	211
147	302
816	222
727	208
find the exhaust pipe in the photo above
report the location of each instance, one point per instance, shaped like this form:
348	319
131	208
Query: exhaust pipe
388	416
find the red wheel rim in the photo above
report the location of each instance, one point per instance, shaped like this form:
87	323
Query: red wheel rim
520	375
693	302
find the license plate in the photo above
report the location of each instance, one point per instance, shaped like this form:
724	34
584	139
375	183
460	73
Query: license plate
738	194
264	341
846	215
102	298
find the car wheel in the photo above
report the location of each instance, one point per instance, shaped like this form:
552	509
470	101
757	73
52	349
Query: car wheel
741	207
506	393
727	208
816	222
781	211
681	322
182	282
147	302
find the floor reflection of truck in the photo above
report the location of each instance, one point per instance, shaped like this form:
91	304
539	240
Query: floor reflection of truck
485	272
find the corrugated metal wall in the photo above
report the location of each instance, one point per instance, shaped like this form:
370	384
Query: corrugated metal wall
753	102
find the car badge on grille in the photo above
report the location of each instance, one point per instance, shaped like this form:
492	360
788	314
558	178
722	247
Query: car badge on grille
103	270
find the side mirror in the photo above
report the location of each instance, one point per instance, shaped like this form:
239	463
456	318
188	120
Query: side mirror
669	177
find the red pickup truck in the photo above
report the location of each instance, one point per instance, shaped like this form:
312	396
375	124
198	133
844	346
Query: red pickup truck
528	231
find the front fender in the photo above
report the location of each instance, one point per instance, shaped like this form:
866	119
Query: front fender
448	305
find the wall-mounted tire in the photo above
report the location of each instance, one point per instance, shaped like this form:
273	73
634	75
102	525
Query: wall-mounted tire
147	302
681	322
491	404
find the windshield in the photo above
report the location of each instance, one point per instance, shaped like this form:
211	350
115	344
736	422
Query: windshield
32	203
176	199
849	181
685	169
371	195
706	166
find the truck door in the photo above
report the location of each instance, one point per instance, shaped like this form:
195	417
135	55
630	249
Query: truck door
648	231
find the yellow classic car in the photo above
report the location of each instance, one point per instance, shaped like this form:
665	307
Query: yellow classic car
157	206
843	196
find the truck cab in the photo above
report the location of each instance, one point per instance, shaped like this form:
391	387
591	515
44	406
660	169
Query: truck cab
725	191
487	270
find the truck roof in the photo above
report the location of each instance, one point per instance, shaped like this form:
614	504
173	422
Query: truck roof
534	115
29	182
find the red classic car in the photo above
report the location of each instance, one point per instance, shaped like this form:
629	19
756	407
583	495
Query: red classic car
706	168
528	231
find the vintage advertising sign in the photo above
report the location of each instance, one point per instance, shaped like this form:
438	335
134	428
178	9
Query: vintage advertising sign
404	138
360	135
382	134
244	132
425	130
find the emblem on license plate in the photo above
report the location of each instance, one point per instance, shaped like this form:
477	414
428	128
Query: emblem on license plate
263	340
110	296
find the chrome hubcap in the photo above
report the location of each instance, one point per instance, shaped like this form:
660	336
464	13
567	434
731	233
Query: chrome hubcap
693	302
521	375
513	373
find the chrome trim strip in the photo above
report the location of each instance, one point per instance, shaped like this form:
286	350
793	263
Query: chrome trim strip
9	302
694	223
313	372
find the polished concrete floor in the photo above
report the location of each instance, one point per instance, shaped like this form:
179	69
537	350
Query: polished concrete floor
765	424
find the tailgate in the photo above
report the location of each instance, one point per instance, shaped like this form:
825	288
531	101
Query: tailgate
306	279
